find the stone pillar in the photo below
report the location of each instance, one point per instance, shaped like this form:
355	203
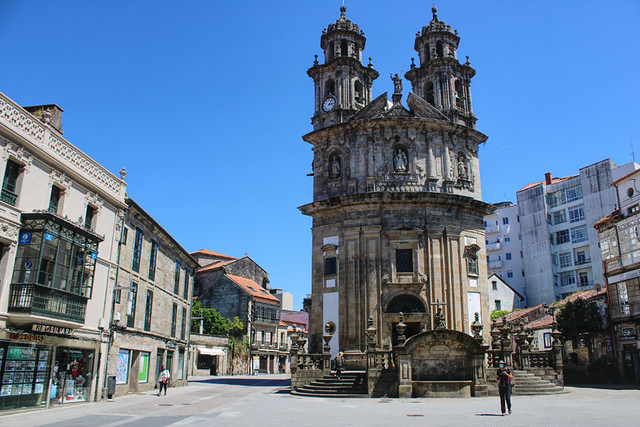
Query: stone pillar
405	389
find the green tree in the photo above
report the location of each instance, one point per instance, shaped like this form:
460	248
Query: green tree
213	322
496	314
577	320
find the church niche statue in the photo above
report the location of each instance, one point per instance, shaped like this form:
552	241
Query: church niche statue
400	160
334	167
463	172
397	83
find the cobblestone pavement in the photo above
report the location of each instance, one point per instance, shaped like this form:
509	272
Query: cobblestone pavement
264	400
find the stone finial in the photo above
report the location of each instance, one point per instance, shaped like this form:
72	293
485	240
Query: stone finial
370	63
343	9
434	11
413	64
123	173
315	61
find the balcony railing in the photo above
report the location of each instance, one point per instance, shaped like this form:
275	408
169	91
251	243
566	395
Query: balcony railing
8	197
44	301
493	246
492	229
494	264
583	261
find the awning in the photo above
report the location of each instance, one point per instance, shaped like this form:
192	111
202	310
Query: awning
211	351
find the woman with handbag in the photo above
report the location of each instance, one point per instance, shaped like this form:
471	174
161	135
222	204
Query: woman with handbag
163	380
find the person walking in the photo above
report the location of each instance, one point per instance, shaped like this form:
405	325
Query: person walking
504	387
163	380
339	365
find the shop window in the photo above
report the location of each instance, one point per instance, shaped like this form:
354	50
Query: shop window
137	248
73	370
153	259
180	374
24	370
143	372
404	260
122	373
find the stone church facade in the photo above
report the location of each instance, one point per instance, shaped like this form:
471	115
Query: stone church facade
397	210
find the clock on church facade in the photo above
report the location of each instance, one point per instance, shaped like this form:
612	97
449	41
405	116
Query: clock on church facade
397	208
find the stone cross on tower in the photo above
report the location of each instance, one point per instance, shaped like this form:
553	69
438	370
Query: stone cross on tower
438	318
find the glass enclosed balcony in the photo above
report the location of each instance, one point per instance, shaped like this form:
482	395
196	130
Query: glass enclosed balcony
55	263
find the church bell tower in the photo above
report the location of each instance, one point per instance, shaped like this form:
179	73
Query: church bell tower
342	83
440	79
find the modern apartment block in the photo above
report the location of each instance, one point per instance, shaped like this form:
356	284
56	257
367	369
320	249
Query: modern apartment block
504	248
559	241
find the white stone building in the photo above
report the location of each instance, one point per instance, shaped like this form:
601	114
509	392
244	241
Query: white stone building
502	296
60	215
559	241
504	245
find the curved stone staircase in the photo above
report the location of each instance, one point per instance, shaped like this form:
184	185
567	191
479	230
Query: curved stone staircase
527	384
351	384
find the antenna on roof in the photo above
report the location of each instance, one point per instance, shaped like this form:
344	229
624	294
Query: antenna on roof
633	151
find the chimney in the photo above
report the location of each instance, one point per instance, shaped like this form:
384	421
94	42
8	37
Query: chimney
50	114
547	178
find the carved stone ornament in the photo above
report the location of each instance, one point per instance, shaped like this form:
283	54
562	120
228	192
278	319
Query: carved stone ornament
60	179
93	199
9	232
334	167
400	160
20	154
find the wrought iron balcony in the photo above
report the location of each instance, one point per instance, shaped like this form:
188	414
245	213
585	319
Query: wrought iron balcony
8	197
43	301
581	261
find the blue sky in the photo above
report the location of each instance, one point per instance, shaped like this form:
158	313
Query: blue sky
205	102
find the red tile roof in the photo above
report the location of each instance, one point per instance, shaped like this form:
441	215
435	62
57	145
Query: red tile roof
519	313
588	294
542	323
553	181
211	253
253	289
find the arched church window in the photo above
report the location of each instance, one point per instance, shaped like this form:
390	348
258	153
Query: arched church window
427	54
331	50
329	87
439	50
428	93
344	48
400	159
406	304
359	91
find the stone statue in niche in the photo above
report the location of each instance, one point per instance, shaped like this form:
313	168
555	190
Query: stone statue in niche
400	160
462	167
334	167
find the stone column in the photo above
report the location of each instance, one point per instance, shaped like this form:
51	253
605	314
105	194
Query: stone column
405	389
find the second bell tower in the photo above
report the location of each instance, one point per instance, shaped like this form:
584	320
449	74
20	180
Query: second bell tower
342	83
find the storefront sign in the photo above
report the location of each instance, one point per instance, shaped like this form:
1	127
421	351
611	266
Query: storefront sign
624	276
26	337
627	334
50	329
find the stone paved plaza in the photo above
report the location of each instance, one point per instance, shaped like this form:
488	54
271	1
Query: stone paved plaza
265	401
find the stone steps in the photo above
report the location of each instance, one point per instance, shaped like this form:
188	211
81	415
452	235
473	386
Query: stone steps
351	384
527	384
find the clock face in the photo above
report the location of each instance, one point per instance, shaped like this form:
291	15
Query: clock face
329	104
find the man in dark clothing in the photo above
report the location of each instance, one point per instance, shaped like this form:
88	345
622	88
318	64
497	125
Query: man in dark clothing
504	387
339	365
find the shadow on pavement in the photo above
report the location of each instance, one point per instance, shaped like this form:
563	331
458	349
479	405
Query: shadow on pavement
488	415
251	382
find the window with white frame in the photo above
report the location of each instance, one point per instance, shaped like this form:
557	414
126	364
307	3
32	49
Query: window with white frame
623	299
579	234
573	193
567	278
576	213
559	217
562	236
565	259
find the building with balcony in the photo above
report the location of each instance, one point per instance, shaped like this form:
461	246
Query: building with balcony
619	234
240	287
504	246
559	242
60	219
151	311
